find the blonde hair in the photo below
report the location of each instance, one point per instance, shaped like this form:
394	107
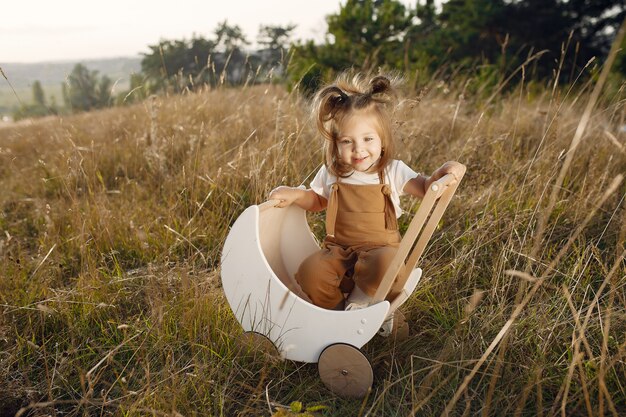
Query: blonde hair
335	102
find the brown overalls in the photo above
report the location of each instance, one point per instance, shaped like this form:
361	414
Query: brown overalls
361	240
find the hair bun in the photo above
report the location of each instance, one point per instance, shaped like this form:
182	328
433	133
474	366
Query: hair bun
379	84
336	97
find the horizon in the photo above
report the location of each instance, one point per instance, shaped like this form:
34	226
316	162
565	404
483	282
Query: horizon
72	61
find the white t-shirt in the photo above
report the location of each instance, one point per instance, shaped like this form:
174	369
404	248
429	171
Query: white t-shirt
397	174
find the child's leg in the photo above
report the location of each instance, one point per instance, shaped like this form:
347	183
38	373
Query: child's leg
320	275
357	299
371	267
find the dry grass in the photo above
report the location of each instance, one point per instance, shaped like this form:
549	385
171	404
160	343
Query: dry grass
111	226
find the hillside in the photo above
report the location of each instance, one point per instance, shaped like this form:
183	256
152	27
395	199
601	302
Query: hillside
53	74
112	225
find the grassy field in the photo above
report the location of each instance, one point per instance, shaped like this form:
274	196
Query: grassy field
112	222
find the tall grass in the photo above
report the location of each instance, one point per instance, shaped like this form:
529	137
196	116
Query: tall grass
112	222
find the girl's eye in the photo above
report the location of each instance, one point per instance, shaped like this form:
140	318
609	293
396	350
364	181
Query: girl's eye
345	141
369	139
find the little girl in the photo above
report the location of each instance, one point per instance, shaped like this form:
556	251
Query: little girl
360	186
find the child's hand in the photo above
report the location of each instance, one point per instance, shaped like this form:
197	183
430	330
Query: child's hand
286	195
451	167
306	199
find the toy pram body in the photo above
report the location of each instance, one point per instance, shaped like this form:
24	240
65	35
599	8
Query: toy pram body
261	255
264	249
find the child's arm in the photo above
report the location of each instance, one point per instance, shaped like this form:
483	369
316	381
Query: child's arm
306	199
417	186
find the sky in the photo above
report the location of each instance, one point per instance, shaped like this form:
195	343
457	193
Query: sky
37	31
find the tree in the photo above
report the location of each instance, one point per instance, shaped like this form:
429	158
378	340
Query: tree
231	65
505	32
38	94
491	36
167	66
104	91
369	33
275	37
365	34
81	92
229	38
465	29
138	90
177	65
38	108
427	13
592	25
275	41
85	91
186	65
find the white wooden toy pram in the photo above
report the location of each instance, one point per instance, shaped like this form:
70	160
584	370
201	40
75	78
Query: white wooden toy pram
262	252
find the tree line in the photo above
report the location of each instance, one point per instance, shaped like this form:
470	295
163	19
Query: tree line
489	38
174	66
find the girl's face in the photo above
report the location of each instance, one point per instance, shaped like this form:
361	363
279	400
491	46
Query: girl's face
359	143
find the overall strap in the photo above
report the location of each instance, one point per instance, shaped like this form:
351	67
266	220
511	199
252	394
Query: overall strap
331	210
391	222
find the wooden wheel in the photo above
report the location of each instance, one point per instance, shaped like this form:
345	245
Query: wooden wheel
254	343
345	371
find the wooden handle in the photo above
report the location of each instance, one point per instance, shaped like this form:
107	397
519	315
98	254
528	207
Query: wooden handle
433	205
441	185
